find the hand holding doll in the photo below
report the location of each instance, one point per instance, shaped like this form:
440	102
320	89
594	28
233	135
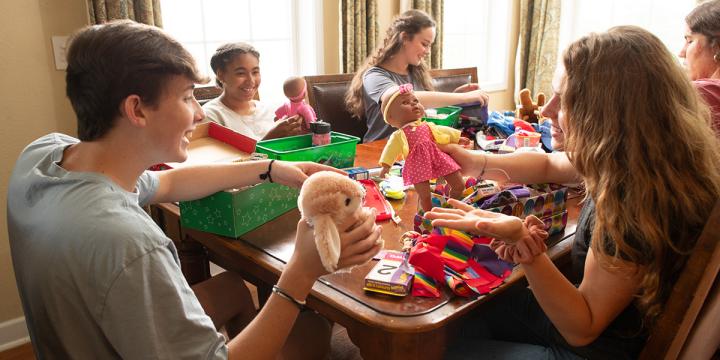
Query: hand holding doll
416	140
295	89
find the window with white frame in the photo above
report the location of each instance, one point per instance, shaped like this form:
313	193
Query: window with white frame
285	32
665	19
476	33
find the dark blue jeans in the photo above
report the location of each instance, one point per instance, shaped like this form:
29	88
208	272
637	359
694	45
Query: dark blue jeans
513	326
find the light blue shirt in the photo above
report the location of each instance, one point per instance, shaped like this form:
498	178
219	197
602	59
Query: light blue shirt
97	277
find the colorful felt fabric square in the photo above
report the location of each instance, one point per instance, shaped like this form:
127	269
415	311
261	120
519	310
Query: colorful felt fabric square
458	286
467	265
426	259
424	286
458	247
485	256
480	279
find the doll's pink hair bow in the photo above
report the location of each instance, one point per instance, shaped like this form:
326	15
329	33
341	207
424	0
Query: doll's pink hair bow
405	88
402	89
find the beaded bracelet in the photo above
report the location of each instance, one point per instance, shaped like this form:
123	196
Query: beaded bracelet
299	303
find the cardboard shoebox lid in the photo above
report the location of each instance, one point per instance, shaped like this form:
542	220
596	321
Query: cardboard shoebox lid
213	143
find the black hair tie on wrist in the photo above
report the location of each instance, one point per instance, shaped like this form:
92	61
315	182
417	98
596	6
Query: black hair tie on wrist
267	175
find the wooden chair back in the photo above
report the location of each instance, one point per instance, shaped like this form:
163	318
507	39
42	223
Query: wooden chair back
448	80
693	304
326	94
204	94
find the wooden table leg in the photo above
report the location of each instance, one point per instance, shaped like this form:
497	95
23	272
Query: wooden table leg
193	256
193	261
378	344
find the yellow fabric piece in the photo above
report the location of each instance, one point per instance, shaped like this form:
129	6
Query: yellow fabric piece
397	143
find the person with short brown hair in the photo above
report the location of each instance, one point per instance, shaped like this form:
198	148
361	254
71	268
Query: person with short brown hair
97	277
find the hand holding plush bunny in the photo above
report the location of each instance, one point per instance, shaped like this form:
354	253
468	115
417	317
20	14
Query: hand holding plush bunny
329	201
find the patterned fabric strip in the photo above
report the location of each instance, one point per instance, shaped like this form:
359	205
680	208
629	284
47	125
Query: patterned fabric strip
424	286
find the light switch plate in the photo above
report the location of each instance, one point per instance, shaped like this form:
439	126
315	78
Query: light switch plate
59	44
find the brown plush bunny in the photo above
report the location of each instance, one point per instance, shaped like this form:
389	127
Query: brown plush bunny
328	200
530	111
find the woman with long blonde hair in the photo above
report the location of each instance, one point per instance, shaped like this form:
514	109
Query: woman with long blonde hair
399	60
622	102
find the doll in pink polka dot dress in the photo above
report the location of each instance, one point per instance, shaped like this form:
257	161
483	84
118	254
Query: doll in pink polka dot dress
416	140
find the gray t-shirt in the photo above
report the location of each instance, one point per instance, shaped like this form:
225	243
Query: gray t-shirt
98	279
375	81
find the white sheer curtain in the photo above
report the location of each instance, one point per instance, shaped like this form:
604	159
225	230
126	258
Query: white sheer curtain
476	33
665	19
287	33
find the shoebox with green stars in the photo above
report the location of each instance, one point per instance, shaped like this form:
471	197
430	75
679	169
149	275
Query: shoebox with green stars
232	212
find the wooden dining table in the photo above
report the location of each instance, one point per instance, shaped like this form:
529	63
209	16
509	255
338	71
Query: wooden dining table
382	326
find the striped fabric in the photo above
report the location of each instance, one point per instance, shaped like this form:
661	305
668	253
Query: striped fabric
424	286
467	265
458	248
458	286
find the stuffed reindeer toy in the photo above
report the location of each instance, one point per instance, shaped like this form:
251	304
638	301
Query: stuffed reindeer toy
328	201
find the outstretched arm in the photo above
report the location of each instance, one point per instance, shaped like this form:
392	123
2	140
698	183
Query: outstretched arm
194	182
433	99
286	126
527	168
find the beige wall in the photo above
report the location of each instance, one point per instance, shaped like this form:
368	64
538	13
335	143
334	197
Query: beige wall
33	101
332	37
386	10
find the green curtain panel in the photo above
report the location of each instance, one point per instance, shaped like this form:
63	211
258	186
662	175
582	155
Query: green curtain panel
359	32
434	8
539	32
142	11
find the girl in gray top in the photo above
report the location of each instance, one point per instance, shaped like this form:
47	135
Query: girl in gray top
400	61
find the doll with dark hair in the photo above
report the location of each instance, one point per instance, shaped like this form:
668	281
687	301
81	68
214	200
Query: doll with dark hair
417	141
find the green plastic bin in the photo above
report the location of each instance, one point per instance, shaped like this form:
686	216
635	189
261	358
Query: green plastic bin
453	116
340	153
